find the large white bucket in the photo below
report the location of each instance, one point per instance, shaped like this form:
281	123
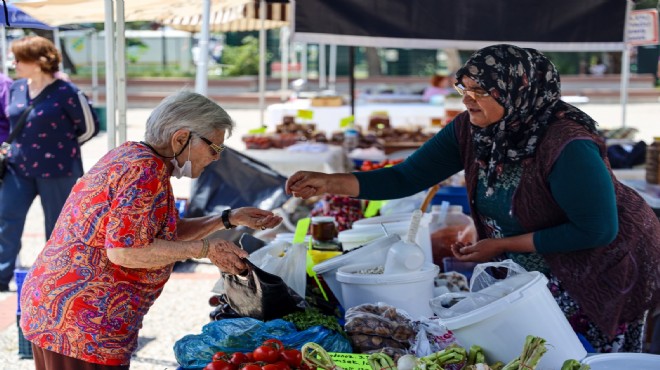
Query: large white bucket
373	252
501	327
410	292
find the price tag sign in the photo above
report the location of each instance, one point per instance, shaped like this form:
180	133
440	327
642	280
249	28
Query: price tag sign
260	130
344	122
305	114
373	207
351	361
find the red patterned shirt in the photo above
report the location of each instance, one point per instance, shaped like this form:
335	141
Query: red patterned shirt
75	301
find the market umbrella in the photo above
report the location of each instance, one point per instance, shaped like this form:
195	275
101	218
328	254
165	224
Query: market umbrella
15	18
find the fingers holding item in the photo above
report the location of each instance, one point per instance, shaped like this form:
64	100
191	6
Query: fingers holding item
227	256
256	218
305	184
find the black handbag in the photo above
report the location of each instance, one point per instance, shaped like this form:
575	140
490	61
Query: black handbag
260	295
6	146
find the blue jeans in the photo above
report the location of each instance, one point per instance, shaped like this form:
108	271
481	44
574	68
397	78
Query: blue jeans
16	196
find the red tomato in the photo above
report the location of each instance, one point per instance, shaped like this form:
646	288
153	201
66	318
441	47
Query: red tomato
271	367
220	365
250	367
275	343
250	357
292	357
283	364
238	358
219	356
266	354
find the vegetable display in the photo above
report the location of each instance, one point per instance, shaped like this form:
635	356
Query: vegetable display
270	355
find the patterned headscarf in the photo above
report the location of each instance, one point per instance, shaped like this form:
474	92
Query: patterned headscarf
526	84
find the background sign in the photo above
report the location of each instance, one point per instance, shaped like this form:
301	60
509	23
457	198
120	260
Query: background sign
643	27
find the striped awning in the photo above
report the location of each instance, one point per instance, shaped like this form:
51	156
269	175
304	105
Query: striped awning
234	16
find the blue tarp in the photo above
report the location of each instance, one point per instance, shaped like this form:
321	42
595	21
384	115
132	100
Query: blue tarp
20	19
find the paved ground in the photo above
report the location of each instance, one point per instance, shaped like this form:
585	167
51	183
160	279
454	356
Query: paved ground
183	309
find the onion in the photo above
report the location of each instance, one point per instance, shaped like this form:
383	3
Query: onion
408	362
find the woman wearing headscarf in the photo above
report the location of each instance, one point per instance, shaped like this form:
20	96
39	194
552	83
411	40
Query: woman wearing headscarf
119	235
541	192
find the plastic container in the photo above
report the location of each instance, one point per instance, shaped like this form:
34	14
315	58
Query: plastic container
501	327
374	252
455	195
457	226
353	238
398	223
452	264
618	361
410	291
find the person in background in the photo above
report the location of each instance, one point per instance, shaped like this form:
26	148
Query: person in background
44	159
5	84
541	192
119	235
439	85
599	68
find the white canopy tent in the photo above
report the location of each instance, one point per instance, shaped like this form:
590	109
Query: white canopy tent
223	14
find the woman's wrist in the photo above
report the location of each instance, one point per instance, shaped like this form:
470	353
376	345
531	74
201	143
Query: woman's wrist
225	217
204	252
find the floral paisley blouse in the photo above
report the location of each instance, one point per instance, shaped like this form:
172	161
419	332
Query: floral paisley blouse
75	301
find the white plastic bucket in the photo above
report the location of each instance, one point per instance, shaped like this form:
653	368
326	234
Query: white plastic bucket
501	327
618	361
374	252
410	292
398	223
353	238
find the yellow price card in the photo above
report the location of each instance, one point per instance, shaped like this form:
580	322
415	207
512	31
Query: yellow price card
305	114
260	130
373	207
351	361
344	122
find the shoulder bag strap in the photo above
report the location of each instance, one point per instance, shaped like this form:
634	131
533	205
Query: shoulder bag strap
23	118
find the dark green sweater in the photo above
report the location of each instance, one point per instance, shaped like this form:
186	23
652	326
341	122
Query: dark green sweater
579	181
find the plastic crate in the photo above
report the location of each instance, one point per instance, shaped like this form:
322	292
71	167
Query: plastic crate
455	195
24	346
19	277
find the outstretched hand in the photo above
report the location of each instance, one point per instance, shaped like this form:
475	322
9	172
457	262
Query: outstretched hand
481	251
254	218
306	184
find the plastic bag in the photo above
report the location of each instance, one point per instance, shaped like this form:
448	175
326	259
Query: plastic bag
431	337
260	295
373	326
490	282
194	351
286	261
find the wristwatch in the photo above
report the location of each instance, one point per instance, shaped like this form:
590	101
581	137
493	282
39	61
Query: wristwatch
225	219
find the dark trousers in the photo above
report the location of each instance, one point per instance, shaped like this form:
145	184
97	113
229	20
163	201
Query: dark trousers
48	360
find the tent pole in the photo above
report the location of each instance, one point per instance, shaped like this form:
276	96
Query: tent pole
262	61
625	63
95	67
3	42
322	81
201	78
284	47
351	78
58	46
121	72
303	64
110	73
333	67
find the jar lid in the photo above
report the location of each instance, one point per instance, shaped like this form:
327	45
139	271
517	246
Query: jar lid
319	219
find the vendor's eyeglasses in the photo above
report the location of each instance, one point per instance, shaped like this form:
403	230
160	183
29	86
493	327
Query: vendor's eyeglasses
471	93
217	149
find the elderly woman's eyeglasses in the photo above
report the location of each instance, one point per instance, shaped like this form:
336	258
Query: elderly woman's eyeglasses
474	94
216	148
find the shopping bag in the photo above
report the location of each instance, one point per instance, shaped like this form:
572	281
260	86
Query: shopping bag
260	295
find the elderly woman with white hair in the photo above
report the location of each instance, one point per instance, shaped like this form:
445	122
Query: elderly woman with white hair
119	235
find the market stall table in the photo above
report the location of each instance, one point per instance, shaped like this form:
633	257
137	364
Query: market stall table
287	162
327	118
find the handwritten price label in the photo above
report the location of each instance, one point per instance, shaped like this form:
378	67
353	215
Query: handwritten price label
351	361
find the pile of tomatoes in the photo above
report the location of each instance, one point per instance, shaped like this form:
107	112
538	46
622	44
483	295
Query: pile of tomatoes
369	165
270	355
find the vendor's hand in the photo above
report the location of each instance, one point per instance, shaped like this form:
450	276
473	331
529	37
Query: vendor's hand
227	256
254	218
481	251
306	184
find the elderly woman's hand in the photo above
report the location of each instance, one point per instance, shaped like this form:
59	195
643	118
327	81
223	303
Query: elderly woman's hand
254	218
227	256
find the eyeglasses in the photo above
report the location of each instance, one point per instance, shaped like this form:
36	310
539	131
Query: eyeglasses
471	93
217	149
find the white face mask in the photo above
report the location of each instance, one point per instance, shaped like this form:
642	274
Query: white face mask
186	170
